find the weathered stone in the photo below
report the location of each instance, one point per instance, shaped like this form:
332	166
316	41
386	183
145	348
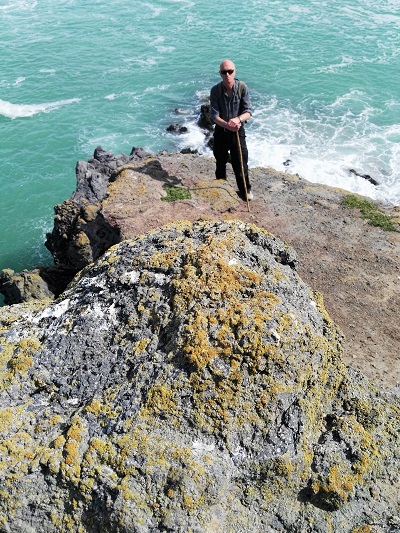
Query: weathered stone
80	233
23	286
38	284
190	381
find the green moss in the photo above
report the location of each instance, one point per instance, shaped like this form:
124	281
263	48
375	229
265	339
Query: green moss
370	212
176	193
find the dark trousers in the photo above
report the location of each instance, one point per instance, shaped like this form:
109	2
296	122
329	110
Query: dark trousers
225	143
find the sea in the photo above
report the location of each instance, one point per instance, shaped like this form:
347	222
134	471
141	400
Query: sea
324	80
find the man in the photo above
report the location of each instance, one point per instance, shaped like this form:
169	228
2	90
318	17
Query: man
230	108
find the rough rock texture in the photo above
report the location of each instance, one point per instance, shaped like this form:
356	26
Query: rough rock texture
189	381
81	234
38	284
356	266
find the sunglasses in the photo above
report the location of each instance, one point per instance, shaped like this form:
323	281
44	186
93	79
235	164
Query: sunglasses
229	71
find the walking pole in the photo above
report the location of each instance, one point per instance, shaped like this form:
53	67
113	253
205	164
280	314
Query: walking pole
241	163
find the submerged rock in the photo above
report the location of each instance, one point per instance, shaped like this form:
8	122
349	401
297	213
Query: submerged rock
190	381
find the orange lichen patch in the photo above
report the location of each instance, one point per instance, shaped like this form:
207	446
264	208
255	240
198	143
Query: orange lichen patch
160	400
337	488
72	452
161	260
17	448
342	479
209	274
368	447
102	409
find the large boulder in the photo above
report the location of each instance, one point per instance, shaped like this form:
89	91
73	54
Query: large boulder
190	381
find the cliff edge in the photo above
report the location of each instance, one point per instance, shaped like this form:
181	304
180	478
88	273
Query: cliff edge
353	263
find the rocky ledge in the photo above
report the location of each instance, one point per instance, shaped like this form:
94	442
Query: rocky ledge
189	380
354	264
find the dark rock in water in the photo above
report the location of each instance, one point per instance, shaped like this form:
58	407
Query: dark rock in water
365	176
188	151
190	381
138	154
204	120
182	111
102	155
177	128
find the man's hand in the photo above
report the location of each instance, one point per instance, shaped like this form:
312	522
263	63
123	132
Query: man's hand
234	124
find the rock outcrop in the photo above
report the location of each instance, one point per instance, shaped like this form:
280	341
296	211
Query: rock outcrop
81	234
355	265
189	380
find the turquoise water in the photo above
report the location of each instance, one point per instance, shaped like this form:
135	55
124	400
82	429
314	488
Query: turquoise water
324	79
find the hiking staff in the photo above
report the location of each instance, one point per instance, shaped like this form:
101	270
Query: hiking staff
241	164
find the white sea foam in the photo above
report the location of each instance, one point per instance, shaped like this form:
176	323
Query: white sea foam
142	62
387	19
157	41
156	11
19	5
338	145
157	88
9	110
346	62
19	80
165	49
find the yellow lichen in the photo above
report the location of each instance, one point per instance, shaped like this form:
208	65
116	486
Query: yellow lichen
71	466
98	407
160	400
337	487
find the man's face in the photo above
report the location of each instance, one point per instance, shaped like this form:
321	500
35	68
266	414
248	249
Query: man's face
227	71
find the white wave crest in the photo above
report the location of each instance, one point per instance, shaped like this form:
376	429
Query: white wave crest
9	110
19	80
19	5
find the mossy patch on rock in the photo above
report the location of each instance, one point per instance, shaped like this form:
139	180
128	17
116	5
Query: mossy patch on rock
371	212
176	193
